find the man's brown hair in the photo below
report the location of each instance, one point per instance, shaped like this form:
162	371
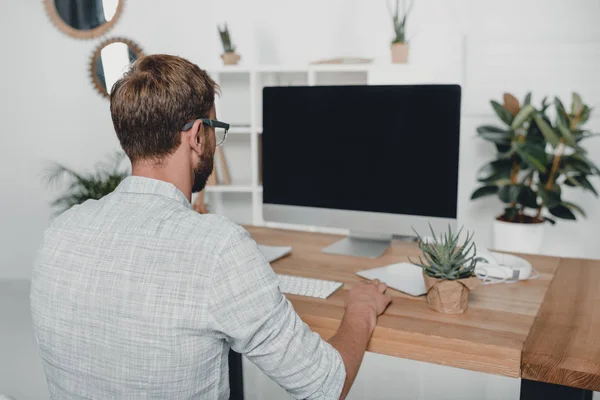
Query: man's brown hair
152	102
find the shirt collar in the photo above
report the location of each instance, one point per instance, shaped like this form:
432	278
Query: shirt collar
143	185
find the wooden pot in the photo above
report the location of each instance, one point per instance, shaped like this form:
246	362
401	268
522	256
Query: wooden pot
399	53
449	297
230	58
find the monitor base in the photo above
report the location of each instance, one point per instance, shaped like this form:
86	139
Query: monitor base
360	245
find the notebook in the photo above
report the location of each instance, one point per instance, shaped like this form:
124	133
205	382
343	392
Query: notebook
274	253
405	277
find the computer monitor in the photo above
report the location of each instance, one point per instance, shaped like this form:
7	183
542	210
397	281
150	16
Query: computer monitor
378	161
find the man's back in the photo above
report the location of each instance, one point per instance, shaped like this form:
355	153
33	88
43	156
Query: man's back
120	294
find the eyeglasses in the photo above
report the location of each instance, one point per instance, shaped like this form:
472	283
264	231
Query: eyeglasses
221	128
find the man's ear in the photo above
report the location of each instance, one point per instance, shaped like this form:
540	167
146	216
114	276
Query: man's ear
195	136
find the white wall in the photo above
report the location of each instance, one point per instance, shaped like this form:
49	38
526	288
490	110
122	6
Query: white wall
50	112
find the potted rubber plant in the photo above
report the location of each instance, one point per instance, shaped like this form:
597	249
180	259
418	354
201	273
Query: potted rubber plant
536	158
229	56
399	44
448	270
84	186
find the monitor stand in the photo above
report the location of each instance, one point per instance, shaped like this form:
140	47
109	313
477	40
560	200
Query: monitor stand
361	245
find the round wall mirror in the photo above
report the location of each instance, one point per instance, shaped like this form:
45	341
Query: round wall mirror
110	61
84	19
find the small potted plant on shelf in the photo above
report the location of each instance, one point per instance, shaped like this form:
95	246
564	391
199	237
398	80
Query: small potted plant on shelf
230	57
535	160
399	43
448	270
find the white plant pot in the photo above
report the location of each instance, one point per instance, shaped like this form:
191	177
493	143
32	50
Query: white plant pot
518	238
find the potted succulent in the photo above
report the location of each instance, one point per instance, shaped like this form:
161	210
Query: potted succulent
399	43
229	56
535	160
448	270
84	186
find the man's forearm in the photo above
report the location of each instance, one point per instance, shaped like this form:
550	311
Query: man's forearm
351	342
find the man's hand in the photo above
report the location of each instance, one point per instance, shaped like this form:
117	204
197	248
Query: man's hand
364	303
368	298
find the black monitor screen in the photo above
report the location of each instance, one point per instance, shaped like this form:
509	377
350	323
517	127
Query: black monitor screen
386	149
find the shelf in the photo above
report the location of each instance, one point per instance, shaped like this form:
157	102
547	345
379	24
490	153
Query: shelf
244	69
229	189
239	130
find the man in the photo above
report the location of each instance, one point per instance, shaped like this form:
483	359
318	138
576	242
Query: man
138	296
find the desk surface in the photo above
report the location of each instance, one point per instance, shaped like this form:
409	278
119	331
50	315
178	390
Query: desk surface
489	337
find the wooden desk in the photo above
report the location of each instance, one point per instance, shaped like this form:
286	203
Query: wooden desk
489	337
563	346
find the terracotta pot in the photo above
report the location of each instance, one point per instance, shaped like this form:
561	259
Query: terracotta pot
518	238
449	297
399	53
230	58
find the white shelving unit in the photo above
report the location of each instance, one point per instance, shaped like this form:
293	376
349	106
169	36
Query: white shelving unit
240	105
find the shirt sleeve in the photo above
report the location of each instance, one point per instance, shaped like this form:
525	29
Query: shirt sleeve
259	322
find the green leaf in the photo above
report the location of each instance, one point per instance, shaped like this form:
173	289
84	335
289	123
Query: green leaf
527	100
574	207
522	116
594	169
581	181
534	155
509	193
585	115
566	133
503	148
553	222
494	171
550	198
548	132
494	134
534	135
561	112
484	191
502	112
576	105
562	211
527	197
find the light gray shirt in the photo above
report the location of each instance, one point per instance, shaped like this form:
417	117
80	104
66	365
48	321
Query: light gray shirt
138	296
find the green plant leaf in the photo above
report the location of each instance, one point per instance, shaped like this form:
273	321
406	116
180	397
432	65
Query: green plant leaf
534	135
548	132
580	181
494	134
484	191
550	198
534	155
527	197
522	116
527	100
553	222
562	211
509	193
563	128
561	112
576	105
502	112
494	171
580	157
503	148
574	207
585	115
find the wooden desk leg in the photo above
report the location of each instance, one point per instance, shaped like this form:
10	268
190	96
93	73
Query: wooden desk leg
236	381
532	390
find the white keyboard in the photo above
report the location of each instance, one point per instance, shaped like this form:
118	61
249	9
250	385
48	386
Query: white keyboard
310	287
